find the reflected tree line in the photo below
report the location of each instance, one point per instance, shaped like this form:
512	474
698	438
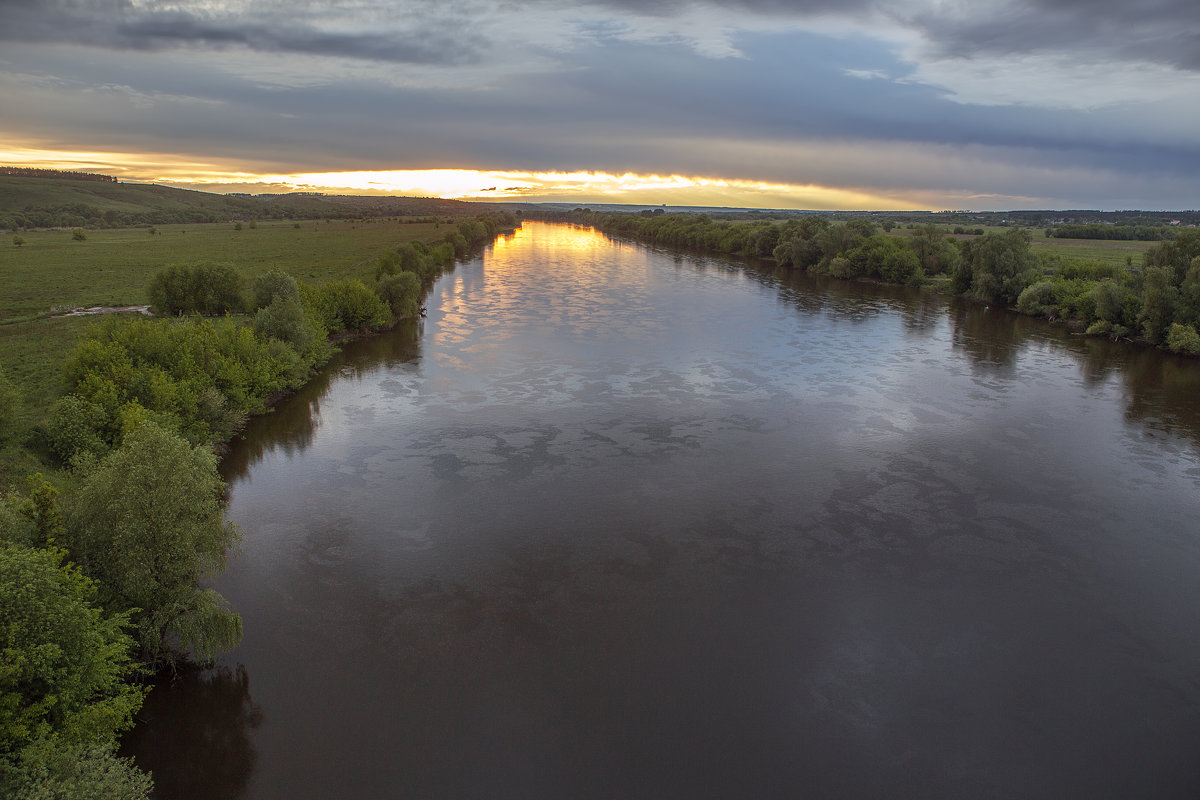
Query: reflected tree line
1162	388
197	727
292	425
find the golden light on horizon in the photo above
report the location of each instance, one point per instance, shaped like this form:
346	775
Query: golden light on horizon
581	187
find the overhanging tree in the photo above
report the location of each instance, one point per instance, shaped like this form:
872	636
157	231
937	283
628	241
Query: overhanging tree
148	524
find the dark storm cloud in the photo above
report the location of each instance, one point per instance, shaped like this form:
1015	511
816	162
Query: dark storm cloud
788	8
541	86
1157	31
116	24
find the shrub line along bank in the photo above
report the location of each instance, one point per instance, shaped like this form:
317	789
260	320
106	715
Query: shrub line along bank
1157	303
113	567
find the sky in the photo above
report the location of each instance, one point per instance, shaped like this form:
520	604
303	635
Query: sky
814	104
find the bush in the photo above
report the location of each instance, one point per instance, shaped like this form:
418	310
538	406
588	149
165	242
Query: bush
75	426
271	286
199	378
18	240
53	771
1038	300
284	320
840	267
78	235
204	287
1159	299
1184	339
349	306
402	293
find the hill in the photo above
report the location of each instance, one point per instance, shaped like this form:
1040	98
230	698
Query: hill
70	202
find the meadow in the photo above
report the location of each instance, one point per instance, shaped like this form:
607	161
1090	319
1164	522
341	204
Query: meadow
52	272
1119	253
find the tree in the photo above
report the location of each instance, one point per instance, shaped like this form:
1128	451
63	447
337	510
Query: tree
271	286
346	305
284	320
204	287
402	293
148	524
18	240
74	772
1184	339
64	663
1159	299
1188	310
78	235
937	253
1038	299
1001	265
885	257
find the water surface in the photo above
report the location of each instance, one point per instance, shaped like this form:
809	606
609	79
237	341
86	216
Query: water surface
619	523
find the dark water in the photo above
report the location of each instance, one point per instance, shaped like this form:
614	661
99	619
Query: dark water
620	524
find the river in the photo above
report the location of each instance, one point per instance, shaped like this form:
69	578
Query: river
614	522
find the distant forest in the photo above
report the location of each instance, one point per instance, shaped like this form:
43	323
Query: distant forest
34	172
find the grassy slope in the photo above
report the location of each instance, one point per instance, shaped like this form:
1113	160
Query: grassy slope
19	193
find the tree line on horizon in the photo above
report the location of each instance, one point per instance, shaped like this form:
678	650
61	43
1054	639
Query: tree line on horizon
41	172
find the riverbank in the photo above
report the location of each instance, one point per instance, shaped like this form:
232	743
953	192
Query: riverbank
122	467
1155	302
607	480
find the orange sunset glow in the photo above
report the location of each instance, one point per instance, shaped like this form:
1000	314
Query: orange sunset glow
462	184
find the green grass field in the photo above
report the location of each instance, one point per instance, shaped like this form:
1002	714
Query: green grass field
1107	251
114	267
1110	252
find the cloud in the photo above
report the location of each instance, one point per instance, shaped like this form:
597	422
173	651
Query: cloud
1032	100
1152	31
264	28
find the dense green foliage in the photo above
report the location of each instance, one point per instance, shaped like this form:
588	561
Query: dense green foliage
198	376
1140	233
1000	266
284	319
401	293
74	772
204	288
147	524
271	286
65	693
143	521
63	661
